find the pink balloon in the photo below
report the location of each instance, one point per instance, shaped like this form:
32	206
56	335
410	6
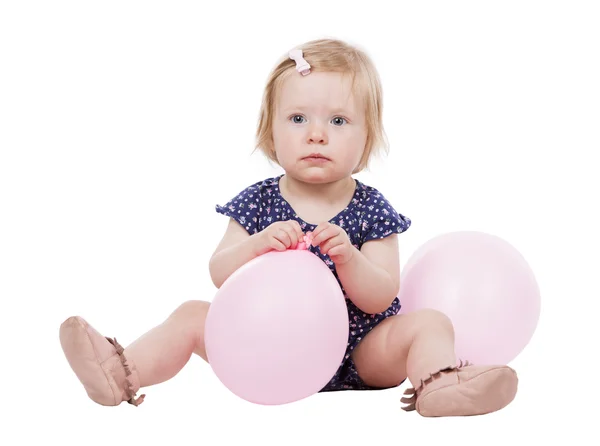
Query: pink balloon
484	285
277	329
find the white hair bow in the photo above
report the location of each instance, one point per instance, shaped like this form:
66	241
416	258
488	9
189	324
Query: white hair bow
301	65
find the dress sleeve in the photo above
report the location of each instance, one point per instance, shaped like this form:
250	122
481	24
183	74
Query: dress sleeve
383	220
244	208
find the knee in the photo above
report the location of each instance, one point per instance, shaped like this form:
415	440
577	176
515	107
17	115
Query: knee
192	310
192	317
429	318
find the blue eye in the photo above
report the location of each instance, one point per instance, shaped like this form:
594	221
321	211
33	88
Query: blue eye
338	118
337	121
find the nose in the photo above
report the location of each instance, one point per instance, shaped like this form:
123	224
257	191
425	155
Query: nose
316	135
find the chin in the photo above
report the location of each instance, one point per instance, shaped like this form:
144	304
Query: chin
316	176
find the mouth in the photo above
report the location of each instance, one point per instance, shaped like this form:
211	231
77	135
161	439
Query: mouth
316	157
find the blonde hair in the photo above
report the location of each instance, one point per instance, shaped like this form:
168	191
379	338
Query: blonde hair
329	55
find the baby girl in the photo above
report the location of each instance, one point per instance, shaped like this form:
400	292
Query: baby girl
321	122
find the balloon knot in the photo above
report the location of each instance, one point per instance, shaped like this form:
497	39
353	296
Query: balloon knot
305	243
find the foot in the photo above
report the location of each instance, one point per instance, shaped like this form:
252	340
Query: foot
463	390
99	363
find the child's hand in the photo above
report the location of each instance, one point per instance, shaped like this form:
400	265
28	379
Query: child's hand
333	241
281	235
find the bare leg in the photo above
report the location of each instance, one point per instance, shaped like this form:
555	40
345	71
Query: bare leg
413	345
162	352
432	346
420	345
111	374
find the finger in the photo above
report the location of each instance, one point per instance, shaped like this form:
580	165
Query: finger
309	236
336	250
293	236
298	229
320	228
283	236
324	235
316	235
330	244
277	245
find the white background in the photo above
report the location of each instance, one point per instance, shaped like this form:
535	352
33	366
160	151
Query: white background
122	124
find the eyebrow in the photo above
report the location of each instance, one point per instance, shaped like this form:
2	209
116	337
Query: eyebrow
304	108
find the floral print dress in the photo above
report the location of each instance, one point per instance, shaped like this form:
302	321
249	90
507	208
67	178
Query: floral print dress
368	216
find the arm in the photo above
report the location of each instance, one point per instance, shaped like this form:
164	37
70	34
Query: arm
371	277
236	248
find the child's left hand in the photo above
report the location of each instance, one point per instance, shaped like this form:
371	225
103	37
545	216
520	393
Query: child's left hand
333	241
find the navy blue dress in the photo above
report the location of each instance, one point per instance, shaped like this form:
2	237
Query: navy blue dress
367	217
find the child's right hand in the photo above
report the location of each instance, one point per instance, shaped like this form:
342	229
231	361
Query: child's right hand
281	235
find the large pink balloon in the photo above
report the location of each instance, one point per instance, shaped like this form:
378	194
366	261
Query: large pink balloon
277	329
484	285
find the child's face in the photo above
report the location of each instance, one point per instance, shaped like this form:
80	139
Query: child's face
318	114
